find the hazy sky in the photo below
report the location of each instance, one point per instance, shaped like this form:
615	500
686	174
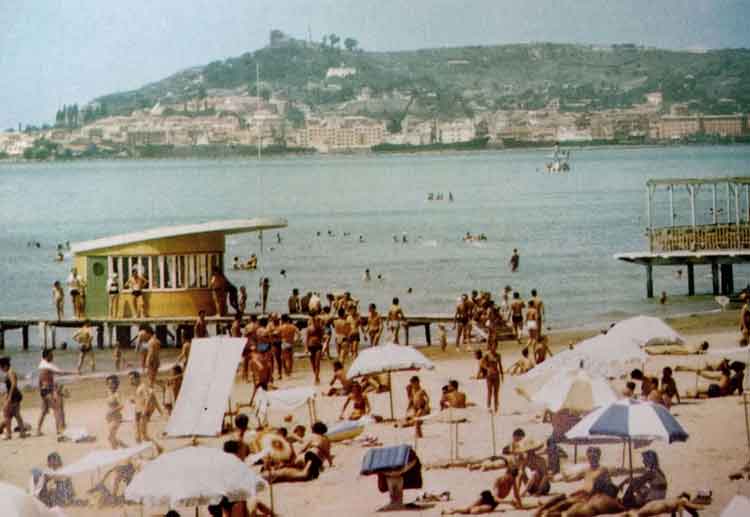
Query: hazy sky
65	51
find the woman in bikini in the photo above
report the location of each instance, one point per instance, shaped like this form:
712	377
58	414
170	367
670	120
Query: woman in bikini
314	343
114	412
341	330
492	365
359	401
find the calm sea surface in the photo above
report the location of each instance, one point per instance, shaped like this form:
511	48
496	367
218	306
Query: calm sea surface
566	227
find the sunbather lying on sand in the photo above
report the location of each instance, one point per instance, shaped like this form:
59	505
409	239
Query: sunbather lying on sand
667	507
677	349
504	486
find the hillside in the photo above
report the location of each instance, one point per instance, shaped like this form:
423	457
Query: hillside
449	82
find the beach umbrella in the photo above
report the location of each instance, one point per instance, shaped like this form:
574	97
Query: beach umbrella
387	359
647	330
14	502
193	476
603	355
630	420
739	506
575	390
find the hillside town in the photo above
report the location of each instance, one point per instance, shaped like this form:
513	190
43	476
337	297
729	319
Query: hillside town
227	119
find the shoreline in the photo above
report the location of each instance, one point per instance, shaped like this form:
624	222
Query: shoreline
89	387
227	153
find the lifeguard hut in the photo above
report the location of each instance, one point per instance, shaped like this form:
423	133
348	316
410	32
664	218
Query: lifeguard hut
708	224
176	261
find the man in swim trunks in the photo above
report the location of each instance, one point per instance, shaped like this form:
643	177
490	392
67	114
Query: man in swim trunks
85	337
293	304
516	315
419	404
137	284
354	324
342	329
49	393
290	336
395	319
461	322
539	305
374	325
13	398
150	352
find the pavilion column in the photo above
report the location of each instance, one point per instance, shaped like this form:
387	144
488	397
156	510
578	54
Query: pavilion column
671	205
649	280
716	215
691	279
715	277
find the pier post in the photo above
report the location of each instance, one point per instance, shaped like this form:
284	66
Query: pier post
649	280
427	334
53	335
727	280
2	338
43	334
25	337
691	279
730	279
715	278
100	337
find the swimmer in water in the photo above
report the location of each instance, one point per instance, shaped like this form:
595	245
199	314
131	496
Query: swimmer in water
366	276
403	238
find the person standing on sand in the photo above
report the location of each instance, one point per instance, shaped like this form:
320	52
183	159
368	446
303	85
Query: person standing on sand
114	412
85	337
113	292
75	290
201	327
150	351
461	322
353	320
58	298
236	329
374	325
395	318
745	321
314	343
342	329
145	402
290	335
515	261
492	365
539	304
13	398
516	315
242	300
48	392
532	327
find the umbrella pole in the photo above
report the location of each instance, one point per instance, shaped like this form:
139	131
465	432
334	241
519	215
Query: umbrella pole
492	430
196	511
747	420
390	394
630	455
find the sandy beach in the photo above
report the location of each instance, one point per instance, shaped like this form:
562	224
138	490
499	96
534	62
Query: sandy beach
716	448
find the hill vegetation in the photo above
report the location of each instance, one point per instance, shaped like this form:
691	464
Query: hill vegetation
451	82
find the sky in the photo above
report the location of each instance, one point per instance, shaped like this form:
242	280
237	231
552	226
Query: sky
55	52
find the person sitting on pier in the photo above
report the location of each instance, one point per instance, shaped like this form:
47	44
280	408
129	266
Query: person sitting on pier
58	296
85	337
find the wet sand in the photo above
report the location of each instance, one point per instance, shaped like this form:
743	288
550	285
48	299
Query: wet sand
717	445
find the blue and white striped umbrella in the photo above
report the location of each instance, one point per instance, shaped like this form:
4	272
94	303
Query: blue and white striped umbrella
630	420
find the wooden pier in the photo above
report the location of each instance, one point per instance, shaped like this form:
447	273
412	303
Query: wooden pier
718	235
110	331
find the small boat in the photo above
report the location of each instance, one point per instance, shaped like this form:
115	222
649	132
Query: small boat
559	161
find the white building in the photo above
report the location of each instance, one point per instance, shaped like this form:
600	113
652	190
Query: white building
340	72
460	130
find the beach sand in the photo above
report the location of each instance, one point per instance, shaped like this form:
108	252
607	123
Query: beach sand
717	446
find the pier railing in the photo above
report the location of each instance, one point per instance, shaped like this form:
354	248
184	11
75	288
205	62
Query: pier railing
706	237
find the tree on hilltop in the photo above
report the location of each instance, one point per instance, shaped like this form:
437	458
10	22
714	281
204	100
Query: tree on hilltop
350	44
334	39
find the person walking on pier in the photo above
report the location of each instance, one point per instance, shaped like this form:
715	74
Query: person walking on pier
85	337
58	296
395	318
75	290
13	398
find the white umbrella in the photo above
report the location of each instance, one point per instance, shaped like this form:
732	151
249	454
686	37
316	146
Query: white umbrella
647	330
193	476
739	506
386	359
575	390
630	420
14	502
602	355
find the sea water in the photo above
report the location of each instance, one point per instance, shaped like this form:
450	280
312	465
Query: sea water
567	227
